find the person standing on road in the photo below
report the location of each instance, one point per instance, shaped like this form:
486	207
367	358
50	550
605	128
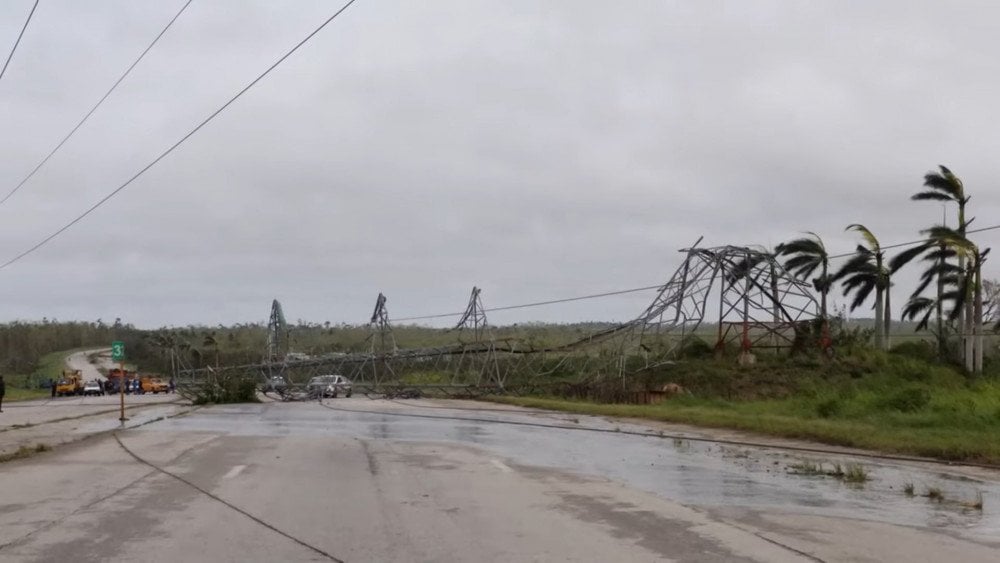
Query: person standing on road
54	383
3	391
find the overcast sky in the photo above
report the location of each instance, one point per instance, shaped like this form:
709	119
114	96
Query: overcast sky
537	149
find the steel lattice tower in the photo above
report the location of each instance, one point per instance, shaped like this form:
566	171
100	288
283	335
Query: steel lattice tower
484	347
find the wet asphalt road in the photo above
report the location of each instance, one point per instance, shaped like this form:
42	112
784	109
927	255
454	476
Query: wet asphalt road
360	480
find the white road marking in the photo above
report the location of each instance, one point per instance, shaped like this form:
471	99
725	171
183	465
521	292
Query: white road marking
501	465
234	471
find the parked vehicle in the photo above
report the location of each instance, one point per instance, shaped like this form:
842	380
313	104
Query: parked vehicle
92	387
276	383
70	384
115	378
149	384
329	386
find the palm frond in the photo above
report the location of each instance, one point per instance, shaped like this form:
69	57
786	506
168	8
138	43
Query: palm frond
945	182
931	196
919	306
743	267
865	234
906	256
857	264
799	246
862	294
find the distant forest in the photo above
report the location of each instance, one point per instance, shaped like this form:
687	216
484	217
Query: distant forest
24	344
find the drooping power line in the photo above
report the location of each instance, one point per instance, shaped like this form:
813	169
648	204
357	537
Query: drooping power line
173	147
97	105
536	304
18	42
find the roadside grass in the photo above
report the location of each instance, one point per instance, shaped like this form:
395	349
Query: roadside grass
909	408
24	452
50	366
18	394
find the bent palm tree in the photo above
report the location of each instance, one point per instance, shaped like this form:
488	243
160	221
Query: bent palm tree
804	257
864	273
946	187
963	283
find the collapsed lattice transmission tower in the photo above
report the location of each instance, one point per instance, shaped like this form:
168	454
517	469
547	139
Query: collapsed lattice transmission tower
755	301
730	296
479	357
381	343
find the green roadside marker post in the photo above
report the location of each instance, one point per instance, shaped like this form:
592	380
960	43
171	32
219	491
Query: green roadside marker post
118	355
117	351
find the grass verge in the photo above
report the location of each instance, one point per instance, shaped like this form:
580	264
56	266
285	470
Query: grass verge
24	452
930	434
50	366
18	394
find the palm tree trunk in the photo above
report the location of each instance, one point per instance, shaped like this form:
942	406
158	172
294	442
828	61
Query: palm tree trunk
775	309
967	330
978	319
879	320
822	293
888	315
965	313
939	310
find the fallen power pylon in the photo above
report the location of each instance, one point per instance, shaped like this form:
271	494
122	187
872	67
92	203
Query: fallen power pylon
749	298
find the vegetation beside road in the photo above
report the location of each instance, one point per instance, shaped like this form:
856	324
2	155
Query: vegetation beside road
26	387
887	402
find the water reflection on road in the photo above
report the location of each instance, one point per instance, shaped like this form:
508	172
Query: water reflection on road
693	473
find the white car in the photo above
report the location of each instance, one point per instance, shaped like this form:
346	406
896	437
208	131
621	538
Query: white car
329	386
92	388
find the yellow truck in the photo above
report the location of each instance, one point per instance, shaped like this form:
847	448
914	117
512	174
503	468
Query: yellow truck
70	384
150	384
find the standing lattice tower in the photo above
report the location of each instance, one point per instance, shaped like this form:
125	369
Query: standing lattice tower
482	354
277	337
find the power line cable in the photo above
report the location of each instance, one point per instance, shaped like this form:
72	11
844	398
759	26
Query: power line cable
637	289
536	304
18	42
913	242
97	105
173	147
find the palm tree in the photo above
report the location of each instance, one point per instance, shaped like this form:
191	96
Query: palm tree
806	256
964	283
865	272
211	342
946	187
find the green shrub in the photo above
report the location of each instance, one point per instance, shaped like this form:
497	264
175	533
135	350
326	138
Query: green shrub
909	399
694	348
828	408
916	349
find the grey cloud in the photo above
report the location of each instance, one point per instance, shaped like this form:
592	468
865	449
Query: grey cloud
538	150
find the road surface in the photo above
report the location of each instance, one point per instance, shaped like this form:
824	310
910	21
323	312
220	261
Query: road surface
81	361
360	480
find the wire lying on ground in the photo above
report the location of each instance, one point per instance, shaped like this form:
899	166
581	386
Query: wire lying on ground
226	503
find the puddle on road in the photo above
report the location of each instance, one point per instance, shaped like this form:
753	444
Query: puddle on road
693	473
